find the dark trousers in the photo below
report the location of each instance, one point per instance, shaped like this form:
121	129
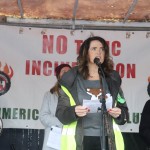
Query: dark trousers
92	143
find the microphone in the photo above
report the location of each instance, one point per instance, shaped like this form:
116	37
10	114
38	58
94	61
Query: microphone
97	61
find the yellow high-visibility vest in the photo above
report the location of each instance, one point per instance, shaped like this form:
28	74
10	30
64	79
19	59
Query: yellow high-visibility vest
118	135
68	133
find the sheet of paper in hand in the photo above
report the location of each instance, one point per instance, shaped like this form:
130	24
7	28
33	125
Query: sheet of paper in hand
95	105
108	101
54	138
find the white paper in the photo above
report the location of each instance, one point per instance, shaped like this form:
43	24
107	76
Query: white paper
54	138
108	101
95	105
92	105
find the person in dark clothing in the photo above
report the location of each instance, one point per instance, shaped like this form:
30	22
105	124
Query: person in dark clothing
144	128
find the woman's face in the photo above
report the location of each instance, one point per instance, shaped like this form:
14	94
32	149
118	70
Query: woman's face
96	50
63	70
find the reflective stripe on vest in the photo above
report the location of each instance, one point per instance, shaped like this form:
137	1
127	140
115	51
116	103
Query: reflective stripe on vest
68	133
118	135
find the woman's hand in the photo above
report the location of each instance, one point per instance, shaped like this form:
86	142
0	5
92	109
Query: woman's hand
115	112
81	111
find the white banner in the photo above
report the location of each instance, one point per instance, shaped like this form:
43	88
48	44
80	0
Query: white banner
28	57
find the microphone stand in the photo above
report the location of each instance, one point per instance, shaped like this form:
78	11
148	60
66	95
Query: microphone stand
103	107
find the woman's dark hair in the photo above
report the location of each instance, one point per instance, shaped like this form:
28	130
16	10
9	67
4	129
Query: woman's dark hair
82	59
55	88
148	89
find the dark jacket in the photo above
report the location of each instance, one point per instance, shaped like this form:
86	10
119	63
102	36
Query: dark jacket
144	128
66	113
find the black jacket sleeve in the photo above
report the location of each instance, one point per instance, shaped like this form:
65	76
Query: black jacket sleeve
144	128
124	117
114	83
64	112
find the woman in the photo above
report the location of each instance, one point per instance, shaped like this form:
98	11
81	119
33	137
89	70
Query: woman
82	130
48	108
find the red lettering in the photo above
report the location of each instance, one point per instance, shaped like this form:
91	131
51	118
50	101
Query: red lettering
121	69
46	65
27	71
130	70
48	44
61	46
115	45
36	67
